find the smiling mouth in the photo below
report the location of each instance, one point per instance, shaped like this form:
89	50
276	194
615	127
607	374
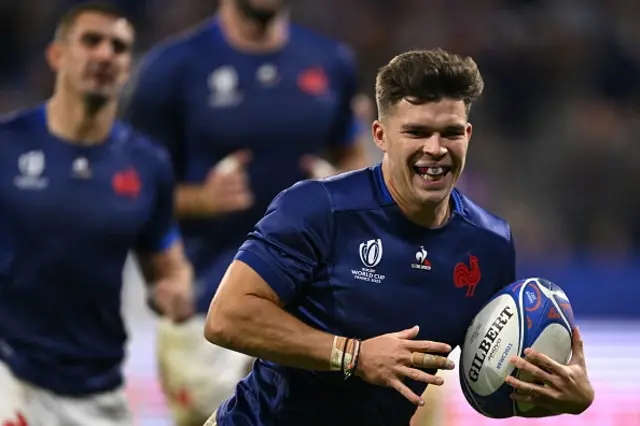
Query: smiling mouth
432	174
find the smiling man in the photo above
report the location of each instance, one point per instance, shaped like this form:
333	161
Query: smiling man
78	191
335	278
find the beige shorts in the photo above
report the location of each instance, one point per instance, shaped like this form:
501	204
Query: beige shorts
24	404
196	375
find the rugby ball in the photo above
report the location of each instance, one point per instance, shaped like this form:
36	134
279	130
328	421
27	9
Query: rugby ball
532	313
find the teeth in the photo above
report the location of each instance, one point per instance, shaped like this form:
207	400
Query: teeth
434	171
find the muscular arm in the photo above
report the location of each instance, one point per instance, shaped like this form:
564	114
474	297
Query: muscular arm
247	316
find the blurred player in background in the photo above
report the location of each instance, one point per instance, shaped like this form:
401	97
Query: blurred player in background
78	191
248	104
391	254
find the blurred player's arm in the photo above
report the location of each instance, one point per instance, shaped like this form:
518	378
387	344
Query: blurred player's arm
160	252
354	155
153	105
350	135
346	147
171	278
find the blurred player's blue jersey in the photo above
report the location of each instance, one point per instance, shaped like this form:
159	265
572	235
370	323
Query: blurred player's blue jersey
345	260
69	215
205	100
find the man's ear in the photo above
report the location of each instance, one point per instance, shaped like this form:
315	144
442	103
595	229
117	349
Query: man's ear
53	55
378	133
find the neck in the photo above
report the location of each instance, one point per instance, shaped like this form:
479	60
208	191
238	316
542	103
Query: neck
78	120
246	34
429	216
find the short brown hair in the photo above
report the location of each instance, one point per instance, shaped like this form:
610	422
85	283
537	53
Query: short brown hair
71	16
421	76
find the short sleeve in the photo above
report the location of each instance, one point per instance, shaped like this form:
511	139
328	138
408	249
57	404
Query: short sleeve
160	231
292	241
346	127
152	101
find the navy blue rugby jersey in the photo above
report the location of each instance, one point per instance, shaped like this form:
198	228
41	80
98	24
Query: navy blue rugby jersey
204	100
344	259
69	215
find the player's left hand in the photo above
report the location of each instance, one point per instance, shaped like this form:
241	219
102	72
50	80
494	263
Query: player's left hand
175	299
316	167
560	389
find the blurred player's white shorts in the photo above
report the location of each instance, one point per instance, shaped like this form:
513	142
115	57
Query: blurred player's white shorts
196	375
22	404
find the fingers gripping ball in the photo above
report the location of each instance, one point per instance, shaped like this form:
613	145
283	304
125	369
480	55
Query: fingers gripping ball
532	313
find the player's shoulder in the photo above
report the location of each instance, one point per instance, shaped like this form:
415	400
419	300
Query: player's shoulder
21	119
357	190
140	146
349	191
327	48
483	220
176	50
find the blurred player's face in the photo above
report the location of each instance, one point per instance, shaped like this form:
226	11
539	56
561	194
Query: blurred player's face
425	148
261	10
94	57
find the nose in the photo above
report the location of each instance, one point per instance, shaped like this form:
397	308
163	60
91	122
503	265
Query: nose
433	146
103	51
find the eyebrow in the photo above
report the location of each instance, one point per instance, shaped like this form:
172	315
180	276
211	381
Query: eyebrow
121	40
430	129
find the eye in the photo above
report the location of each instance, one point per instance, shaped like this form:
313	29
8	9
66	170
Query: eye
91	40
417	133
452	134
120	46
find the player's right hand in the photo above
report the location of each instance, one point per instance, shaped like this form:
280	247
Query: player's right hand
389	359
226	188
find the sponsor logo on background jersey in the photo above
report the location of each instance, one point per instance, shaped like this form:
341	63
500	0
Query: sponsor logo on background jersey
31	165
223	88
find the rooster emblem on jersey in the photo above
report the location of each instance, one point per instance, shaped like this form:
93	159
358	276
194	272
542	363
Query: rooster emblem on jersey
467	276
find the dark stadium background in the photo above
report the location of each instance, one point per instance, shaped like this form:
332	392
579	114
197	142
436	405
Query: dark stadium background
555	149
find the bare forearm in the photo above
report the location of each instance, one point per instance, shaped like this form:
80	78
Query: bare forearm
178	272
171	265
264	330
190	202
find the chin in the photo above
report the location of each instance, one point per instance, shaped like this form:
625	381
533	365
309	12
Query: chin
433	197
432	193
97	96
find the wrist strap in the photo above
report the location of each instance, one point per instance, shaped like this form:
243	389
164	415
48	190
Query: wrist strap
339	354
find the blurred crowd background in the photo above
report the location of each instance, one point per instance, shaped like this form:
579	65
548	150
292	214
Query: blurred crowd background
555	146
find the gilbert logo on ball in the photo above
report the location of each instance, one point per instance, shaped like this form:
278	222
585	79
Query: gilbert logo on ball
532	313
